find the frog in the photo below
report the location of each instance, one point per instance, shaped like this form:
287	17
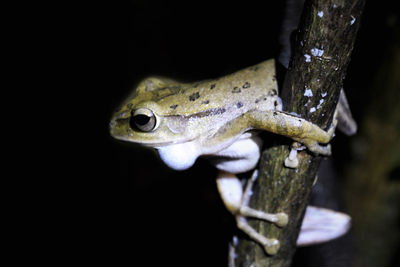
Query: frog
220	119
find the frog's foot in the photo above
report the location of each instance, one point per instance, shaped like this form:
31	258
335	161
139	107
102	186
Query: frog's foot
319	149
236	201
322	225
271	246
314	146
324	150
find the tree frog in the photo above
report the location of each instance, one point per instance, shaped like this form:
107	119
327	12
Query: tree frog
218	118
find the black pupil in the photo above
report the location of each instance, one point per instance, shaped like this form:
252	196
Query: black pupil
141	120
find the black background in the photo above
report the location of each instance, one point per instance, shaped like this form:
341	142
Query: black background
127	205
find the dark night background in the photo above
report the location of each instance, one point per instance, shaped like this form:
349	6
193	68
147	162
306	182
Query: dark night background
136	210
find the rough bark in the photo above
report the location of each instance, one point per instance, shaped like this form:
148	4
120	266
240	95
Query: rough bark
322	51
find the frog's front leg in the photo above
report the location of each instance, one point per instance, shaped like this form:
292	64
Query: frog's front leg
237	202
295	127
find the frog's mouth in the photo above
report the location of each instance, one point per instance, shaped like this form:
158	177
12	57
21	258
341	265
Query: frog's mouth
128	135
147	143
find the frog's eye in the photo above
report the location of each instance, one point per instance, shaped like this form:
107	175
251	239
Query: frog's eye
143	119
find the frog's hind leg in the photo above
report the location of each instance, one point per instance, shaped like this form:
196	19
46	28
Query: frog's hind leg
280	219
236	200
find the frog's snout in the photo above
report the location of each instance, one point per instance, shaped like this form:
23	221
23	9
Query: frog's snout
116	126
111	126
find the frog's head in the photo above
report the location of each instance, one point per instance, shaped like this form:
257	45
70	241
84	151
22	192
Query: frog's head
146	119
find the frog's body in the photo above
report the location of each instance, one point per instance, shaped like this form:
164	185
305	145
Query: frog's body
202	118
216	117
205	118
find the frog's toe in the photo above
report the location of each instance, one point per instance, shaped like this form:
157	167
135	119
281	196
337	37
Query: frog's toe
272	247
282	219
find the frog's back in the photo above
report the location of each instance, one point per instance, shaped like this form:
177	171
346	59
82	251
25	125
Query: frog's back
247	88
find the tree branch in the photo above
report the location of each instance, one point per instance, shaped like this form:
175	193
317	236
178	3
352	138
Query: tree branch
323	46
